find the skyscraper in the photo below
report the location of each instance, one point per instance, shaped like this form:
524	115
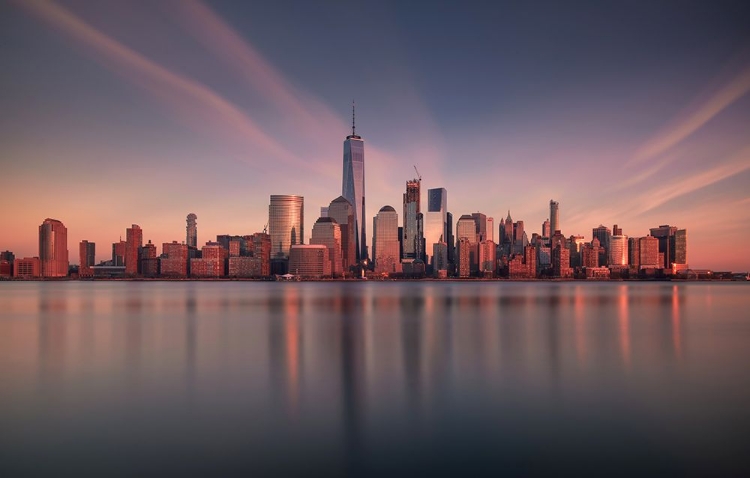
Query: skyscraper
353	186
53	248
412	240
554	216
436	220
385	241
618	250
342	212
466	244
87	256
286	222
133	244
327	232
192	230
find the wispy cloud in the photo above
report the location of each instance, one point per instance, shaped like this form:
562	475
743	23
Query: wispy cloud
173	89
735	89
657	196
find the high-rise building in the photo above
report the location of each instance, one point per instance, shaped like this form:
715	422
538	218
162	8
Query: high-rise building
53	248
634	252
561	261
192	230
487	257
310	260
673	246
327	232
436	220
342	212
118	253
480	221
520	240
618	250
490	229
575	245
323	211
649	253
133	245
603	234
286	222
616	230
451	241
149	261
353	187
466	245
213	261
87	257
554	216
411	239
506	232
385	241
546	229
440	259
174	260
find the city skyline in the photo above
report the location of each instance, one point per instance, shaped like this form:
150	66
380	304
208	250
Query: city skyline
108	127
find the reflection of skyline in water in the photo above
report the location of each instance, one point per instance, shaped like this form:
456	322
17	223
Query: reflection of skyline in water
353	362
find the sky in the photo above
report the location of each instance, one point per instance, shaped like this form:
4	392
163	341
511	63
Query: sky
139	112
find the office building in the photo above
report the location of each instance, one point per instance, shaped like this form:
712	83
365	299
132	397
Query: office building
192	230
87	258
634	252
546	233
466	245
480	222
353	187
487	258
53	248
133	245
327	232
385	241
490	229
27	268
286	223
309	261
436	220
649	253
603	234
672	245
412	240
440	259
618	250
342	211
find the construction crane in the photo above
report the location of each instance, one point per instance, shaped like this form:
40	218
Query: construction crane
418	175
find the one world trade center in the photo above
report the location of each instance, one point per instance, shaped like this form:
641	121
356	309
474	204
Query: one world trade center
353	186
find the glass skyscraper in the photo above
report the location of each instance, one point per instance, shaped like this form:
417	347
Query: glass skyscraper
436	219
286	223
353	187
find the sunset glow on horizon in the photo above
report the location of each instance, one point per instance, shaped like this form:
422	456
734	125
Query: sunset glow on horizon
120	113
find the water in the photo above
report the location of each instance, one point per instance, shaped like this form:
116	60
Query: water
379	379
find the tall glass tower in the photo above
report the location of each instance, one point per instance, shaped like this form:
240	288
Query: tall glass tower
353	186
436	220
286	223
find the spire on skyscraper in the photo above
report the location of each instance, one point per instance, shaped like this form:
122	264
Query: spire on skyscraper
353	131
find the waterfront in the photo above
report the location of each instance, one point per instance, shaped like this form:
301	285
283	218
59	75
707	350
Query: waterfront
386	378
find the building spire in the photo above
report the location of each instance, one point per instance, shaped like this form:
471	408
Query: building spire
353	133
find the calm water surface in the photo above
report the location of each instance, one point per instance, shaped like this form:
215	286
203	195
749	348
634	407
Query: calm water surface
379	379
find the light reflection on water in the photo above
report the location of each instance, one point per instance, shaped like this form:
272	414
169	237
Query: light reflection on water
378	378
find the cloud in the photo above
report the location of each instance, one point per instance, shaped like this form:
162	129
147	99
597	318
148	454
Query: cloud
738	87
185	95
663	193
